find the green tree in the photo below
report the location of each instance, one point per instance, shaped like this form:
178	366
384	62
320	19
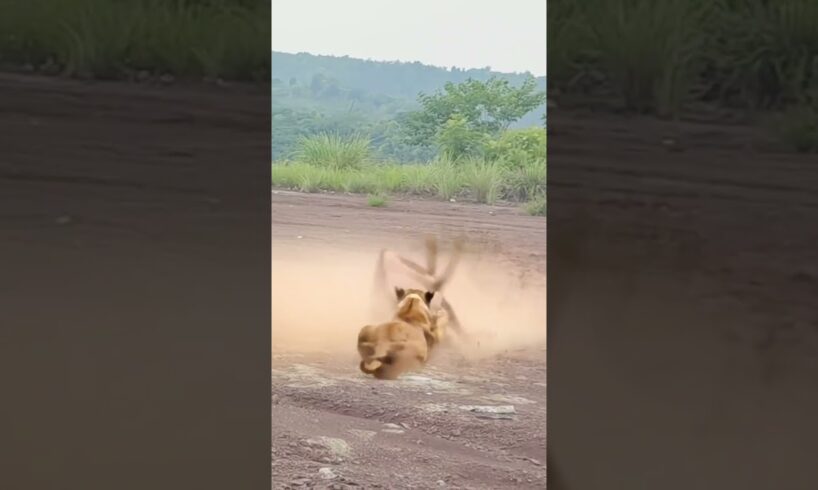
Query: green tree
487	107
458	139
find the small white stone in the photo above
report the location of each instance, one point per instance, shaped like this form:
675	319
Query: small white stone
326	473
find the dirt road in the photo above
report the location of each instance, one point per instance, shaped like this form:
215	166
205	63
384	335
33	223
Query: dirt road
471	419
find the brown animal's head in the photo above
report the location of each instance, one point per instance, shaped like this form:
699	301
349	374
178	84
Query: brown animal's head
413	306
426	295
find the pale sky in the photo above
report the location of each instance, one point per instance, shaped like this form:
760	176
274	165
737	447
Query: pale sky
508	35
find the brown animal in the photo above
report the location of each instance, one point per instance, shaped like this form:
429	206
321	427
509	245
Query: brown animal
402	344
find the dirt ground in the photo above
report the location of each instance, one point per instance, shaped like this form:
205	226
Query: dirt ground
695	243
334	427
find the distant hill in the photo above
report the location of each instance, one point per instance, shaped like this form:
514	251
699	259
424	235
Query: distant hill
393	78
314	93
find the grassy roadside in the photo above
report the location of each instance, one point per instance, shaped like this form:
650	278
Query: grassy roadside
137	39
663	58
474	179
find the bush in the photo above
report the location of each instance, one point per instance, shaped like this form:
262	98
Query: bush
518	148
457	139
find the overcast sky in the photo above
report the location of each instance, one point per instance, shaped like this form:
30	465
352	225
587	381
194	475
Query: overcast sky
508	35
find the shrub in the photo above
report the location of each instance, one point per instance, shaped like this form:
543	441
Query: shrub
517	148
457	139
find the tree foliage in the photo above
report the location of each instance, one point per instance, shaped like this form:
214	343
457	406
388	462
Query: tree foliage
483	107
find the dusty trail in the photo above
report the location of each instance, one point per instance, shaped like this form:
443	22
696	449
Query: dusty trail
335	428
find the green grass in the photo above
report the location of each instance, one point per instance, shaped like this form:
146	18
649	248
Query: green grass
334	151
334	163
657	56
377	200
526	183
446	178
119	39
484	180
481	181
536	207
649	50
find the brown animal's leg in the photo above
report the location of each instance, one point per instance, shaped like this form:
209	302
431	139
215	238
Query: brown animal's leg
380	277
420	272
438	284
426	276
453	320
431	255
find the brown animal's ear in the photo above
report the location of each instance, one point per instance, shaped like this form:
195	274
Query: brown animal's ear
428	296
400	293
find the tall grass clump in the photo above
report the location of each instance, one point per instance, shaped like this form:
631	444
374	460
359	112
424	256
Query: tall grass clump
767	54
377	200
446	178
117	39
364	183
536	207
419	179
289	174
484	179
651	51
526	183
393	177
334	151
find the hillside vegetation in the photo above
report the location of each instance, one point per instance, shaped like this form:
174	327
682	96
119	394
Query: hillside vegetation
456	142
341	95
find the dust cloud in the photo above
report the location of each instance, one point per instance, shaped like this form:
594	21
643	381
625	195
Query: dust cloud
322	296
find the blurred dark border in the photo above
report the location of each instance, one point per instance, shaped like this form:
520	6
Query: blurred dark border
683	339
134	236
